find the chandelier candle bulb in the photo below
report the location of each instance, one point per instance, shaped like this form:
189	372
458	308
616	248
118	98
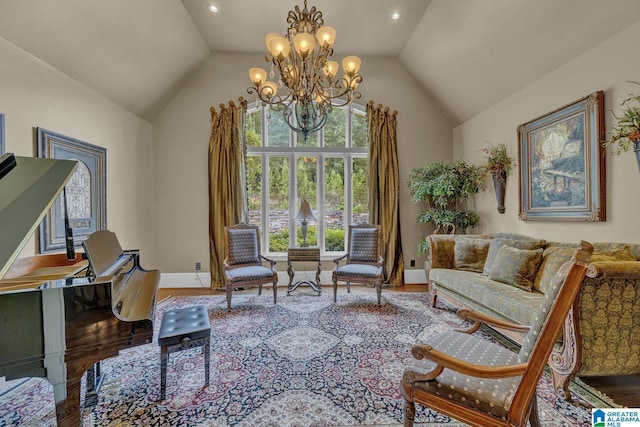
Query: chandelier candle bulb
258	76
270	88
351	65
331	69
304	43
326	36
268	38
279	47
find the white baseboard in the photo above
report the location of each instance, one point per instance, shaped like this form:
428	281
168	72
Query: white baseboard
203	279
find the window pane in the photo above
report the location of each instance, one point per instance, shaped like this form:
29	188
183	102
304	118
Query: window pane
278	203
254	128
360	190
334	204
254	189
359	130
307	182
312	140
335	129
277	129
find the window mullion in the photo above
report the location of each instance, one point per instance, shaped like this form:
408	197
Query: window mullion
320	202
293	191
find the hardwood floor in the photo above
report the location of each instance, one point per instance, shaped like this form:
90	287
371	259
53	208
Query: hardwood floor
623	390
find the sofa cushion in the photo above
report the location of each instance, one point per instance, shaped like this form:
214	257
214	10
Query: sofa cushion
552	259
623	254
516	267
469	254
603	247
484	294
554	256
496	243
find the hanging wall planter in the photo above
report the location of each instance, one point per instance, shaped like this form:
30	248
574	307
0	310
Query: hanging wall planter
499	185
499	164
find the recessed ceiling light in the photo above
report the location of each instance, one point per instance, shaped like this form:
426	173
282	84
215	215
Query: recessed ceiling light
212	8
395	16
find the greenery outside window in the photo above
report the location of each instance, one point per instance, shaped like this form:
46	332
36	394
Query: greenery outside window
330	170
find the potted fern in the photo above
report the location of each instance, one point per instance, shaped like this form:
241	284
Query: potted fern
498	165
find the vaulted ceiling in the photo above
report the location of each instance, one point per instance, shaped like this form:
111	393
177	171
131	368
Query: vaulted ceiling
467	54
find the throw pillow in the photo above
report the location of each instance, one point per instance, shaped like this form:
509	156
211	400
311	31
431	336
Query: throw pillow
516	267
623	254
469	254
552	259
497	243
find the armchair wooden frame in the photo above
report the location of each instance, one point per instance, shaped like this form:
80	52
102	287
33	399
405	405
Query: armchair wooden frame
375	277
523	405
248	279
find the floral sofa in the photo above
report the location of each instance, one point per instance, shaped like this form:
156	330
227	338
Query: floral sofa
505	275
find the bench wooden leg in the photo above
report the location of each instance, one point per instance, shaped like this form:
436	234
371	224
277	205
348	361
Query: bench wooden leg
163	373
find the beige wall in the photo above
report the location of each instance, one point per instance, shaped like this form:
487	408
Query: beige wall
33	94
181	138
605	67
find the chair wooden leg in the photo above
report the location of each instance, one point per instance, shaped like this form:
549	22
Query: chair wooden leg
228	299
259	289
335	290
409	413
348	287
275	292
379	292
534	419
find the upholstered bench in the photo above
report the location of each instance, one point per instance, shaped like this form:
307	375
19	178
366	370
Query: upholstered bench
181	329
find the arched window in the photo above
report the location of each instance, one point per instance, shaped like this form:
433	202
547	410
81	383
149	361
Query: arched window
330	170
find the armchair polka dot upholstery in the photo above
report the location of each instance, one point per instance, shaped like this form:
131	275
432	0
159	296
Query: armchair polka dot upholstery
243	263
364	264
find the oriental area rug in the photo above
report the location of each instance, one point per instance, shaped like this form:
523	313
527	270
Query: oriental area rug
302	362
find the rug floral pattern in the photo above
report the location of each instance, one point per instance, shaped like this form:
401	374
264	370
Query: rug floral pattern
302	362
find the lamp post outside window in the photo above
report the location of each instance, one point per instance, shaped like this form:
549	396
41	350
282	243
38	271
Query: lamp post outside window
304	214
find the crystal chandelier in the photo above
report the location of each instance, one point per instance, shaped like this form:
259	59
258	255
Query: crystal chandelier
306	76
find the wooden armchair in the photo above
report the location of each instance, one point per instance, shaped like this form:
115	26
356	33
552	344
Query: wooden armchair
484	384
363	259
243	261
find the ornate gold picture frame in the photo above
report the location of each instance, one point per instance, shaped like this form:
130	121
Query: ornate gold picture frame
562	163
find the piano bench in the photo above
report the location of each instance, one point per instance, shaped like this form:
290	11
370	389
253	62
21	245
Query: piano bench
182	329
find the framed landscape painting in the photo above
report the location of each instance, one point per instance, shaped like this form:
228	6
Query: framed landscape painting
562	164
86	191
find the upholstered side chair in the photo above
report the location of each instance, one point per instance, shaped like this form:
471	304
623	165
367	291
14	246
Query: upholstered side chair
243	261
363	259
484	384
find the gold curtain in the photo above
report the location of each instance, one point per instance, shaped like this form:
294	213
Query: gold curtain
384	188
227	181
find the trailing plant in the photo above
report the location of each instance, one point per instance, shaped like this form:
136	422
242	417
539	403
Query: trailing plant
498	159
444	188
627	129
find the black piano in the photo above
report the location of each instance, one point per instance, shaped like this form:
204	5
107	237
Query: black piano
60	317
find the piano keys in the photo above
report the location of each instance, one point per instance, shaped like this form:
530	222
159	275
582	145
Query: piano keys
60	317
